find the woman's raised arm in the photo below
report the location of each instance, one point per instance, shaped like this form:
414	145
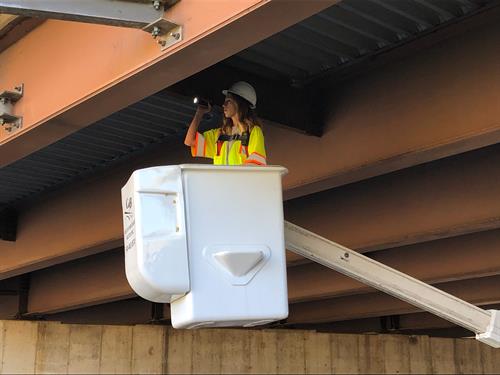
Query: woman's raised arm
195	122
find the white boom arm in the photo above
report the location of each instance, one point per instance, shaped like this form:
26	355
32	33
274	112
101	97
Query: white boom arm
485	323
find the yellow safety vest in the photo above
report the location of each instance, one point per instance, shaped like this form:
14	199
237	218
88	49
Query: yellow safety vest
238	154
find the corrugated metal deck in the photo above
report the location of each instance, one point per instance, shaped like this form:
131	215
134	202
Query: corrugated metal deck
345	33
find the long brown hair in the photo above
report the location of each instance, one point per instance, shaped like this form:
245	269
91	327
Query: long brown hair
246	115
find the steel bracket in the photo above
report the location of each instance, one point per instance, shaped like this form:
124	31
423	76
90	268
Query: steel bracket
8	120
492	334
164	32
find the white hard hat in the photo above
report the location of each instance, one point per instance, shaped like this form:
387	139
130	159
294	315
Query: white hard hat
245	90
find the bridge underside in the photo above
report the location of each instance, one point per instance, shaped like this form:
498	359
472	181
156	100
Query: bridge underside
387	117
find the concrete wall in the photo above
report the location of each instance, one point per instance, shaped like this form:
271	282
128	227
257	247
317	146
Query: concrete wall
48	347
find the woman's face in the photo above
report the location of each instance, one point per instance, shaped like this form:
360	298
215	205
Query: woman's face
230	107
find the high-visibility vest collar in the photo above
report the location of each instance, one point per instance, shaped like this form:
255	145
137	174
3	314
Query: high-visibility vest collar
244	138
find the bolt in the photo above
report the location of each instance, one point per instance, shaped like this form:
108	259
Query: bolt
174	201
156	4
177	229
162	43
346	255
155	32
175	35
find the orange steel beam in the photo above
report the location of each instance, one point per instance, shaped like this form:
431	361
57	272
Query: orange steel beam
481	291
415	205
101	69
65	286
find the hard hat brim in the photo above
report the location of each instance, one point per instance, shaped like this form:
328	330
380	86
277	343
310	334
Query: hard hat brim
225	92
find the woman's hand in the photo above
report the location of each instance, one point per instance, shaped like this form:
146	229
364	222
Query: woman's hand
193	127
201	110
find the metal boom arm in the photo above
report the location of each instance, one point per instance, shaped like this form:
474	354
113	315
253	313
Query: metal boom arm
485	323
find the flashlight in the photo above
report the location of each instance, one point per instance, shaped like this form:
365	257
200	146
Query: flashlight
200	101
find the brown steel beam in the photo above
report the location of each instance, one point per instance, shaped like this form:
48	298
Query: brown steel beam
458	258
420	204
388	324
382	324
109	68
480	291
86	282
449	197
128	311
138	311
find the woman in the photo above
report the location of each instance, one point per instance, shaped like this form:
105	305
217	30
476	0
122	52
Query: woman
239	140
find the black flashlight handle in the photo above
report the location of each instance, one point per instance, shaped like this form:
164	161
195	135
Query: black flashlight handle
201	102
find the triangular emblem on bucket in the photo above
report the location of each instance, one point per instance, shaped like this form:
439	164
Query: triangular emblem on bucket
239	263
